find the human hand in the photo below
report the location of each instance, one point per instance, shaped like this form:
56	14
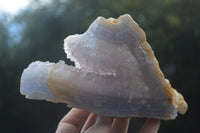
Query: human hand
91	123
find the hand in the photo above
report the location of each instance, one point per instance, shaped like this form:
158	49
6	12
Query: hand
90	123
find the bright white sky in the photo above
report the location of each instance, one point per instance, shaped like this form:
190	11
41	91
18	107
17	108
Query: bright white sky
13	6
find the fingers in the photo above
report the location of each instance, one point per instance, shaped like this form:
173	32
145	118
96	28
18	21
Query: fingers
150	126
120	125
73	121
102	125
66	128
90	121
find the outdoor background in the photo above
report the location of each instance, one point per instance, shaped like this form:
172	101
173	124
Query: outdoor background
36	33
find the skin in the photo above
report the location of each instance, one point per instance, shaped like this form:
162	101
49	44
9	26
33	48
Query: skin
78	120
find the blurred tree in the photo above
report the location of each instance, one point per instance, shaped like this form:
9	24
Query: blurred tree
172	29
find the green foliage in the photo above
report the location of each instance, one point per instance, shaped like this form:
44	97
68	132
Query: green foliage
172	28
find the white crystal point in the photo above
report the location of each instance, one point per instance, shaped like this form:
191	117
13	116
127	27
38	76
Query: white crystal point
115	74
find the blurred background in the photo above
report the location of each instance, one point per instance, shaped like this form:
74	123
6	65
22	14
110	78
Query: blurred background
34	30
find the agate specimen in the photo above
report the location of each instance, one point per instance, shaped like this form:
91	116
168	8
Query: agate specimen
115	74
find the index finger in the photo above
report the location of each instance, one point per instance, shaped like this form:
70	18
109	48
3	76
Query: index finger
73	121
150	126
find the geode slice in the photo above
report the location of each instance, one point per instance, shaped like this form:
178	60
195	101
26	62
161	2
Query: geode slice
115	74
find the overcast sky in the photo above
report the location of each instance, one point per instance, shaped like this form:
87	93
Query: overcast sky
14	6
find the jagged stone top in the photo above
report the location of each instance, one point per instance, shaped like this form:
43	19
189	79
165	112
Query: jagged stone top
115	74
